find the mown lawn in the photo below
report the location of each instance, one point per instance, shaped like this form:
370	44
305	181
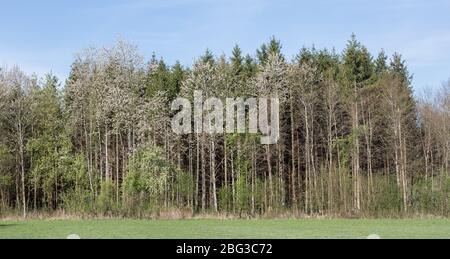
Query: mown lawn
225	229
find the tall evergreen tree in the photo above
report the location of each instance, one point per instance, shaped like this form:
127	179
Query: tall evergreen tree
237	61
381	63
208	57
398	66
158	78
357	62
176	79
272	48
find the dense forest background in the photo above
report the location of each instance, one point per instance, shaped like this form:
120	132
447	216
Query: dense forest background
355	140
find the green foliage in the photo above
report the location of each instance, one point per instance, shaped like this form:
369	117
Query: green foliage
114	121
5	167
237	61
184	184
272	48
158	78
5	181
79	202
152	170
176	79
76	174
381	63
208	57
432	195
357	62
250	67
50	146
225	198
147	176
105	203
387	198
243	190
327	62
398	66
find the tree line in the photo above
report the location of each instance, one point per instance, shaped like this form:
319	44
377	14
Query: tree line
354	138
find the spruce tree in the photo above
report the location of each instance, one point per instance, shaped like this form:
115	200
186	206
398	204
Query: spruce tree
237	61
398	67
208	57
176	78
381	63
272	48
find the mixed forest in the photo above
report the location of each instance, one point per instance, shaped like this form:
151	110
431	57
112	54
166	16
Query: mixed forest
355	139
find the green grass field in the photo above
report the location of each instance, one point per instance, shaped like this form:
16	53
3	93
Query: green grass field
225	229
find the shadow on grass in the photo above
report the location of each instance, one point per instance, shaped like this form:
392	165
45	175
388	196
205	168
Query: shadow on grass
7	225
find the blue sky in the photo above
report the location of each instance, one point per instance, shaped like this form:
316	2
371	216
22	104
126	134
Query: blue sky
42	36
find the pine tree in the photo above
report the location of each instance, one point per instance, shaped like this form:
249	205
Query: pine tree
158	78
208	57
49	145
381	63
272	48
398	67
176	79
250	67
358	71
237	61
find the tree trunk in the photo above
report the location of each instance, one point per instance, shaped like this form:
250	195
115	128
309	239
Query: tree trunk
107	171
356	152
203	173
225	169
293	166
213	174
269	172
22	167
253	179
117	168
